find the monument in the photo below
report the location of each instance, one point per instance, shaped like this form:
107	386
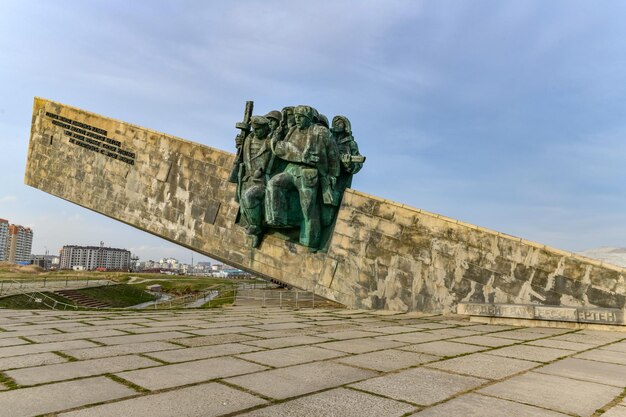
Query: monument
283	208
292	176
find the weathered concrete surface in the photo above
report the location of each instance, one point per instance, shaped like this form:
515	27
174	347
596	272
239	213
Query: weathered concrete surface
382	255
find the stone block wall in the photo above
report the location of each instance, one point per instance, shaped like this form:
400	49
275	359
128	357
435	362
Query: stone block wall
382	254
397	257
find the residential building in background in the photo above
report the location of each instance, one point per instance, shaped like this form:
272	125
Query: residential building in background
4	238
16	242
94	257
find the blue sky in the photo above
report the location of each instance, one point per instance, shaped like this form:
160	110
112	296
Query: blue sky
507	114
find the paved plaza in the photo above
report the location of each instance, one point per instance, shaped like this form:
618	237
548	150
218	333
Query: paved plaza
252	361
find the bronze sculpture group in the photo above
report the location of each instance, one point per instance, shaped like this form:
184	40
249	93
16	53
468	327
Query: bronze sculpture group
291	170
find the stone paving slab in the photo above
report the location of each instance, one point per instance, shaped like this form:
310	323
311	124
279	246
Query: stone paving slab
602	355
388	360
561	344
25	361
420	385
44	347
223	330
71	370
273	334
281	342
213	340
485	366
349	334
444	348
531	353
473	405
363	345
281	326
12	341
338	402
202	352
518	335
454	332
137	338
489	341
617	347
584	338
415	337
205	400
27	333
601	372
300	379
29	402
168	376
76	335
291	356
554	392
116	350
143	330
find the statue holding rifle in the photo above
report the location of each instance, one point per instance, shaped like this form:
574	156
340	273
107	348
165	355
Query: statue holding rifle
290	173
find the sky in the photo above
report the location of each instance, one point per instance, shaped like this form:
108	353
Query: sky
510	115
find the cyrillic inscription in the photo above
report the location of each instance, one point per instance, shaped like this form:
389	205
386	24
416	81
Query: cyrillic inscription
92	138
539	312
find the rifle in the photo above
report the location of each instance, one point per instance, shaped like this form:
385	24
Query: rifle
244	128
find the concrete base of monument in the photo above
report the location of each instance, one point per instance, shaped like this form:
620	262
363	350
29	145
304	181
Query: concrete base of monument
557	316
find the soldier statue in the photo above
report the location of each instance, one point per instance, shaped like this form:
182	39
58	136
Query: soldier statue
274	117
351	159
291	171
312	170
253	175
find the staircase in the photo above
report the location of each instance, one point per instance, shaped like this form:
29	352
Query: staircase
81	299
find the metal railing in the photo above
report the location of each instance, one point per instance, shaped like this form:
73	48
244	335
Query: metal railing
41	298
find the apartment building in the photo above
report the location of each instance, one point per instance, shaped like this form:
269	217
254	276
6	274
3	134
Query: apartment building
93	257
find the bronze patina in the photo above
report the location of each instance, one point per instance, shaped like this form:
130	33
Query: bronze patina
291	171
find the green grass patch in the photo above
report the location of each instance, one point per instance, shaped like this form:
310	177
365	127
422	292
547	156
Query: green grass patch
117	296
27	302
225	297
8	382
65	356
179	285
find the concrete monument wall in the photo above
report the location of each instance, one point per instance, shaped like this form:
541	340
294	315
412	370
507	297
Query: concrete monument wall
382	255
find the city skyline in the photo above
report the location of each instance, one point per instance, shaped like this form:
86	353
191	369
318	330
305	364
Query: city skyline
507	115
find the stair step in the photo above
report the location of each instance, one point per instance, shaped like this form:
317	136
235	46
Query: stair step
81	299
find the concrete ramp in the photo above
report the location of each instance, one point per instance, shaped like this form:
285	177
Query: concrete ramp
382	254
